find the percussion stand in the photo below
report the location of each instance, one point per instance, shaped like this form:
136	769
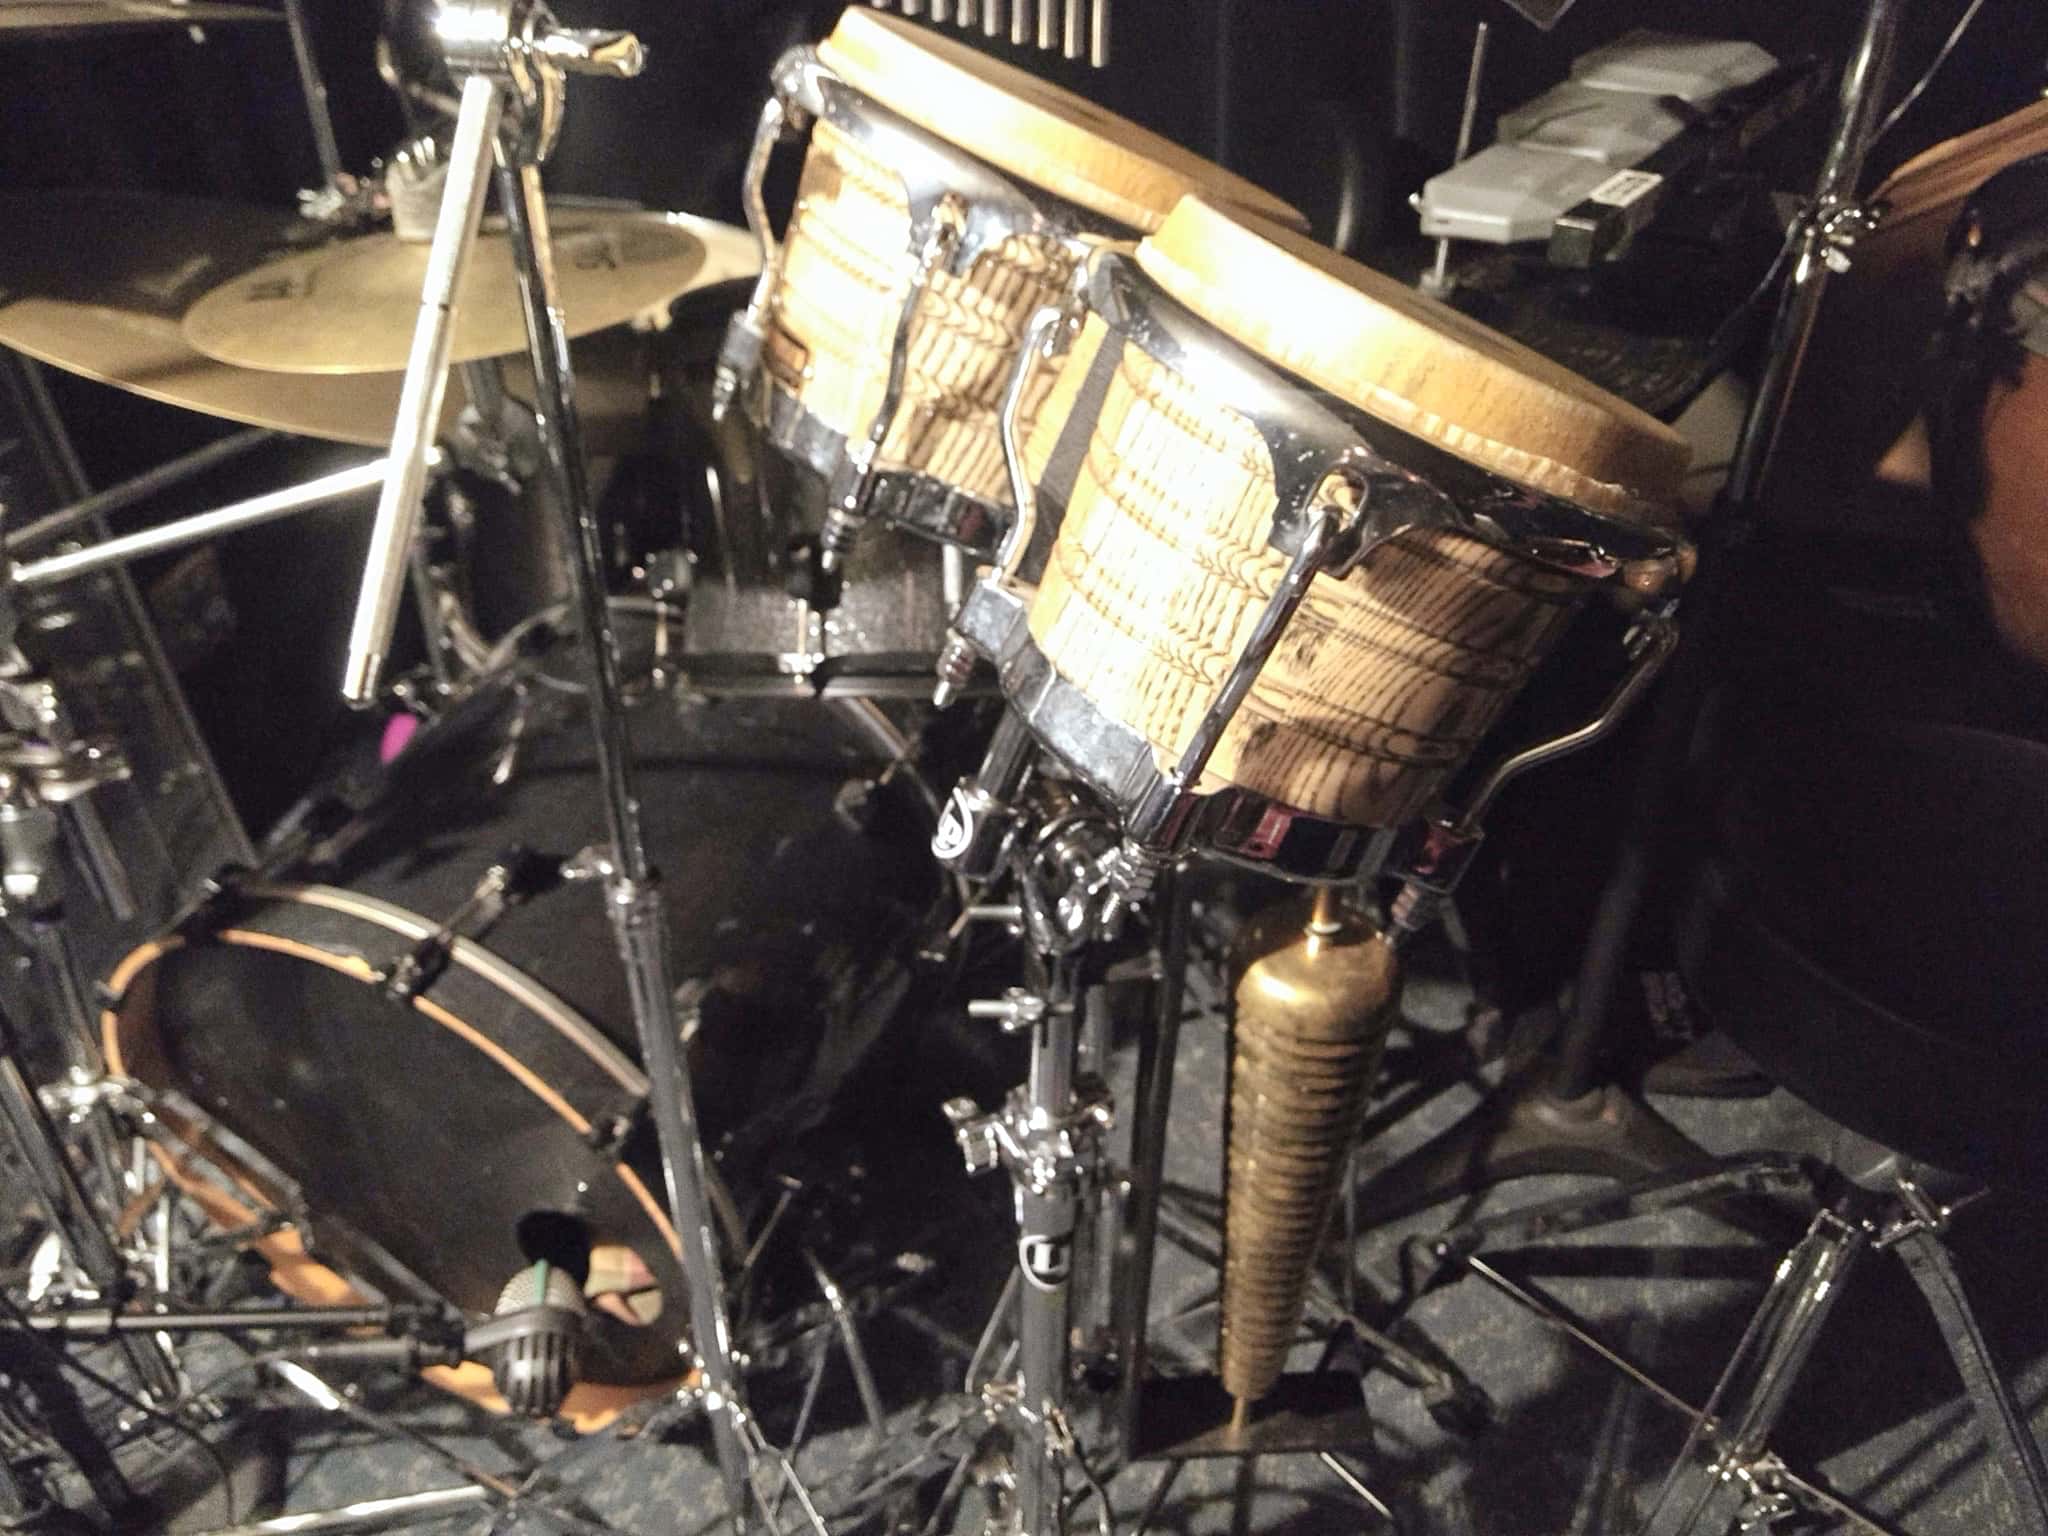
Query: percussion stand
1048	1135
1568	1118
513	62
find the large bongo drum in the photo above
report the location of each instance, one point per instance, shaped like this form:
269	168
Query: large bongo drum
1291	536
945	197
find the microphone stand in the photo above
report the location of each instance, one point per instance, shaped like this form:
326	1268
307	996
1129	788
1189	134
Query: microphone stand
512	60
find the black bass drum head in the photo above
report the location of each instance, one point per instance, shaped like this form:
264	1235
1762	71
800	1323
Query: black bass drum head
432	1147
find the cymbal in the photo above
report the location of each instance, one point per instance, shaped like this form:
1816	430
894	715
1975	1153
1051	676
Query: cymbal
350	306
52	18
81	291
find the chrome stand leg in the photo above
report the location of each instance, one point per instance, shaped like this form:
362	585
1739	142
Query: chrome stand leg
1716	1485
2015	1450
632	891
314	90
1157	1500
1047	1198
1152	1100
365	1514
82	1061
66	1204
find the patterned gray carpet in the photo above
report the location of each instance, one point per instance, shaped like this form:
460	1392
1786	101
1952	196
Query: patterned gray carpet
1571	1446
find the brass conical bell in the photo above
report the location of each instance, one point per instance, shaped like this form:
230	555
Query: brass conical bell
1318	989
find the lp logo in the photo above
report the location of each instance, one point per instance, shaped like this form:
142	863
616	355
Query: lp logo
956	828
1047	1261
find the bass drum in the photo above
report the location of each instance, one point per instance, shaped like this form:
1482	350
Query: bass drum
431	1147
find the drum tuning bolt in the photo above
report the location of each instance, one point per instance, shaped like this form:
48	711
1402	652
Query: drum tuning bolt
852	485
1438	850
954	669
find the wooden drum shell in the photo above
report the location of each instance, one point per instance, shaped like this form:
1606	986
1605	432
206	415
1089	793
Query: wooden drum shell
1381	685
845	277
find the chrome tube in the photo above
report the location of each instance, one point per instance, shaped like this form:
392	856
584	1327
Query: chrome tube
1045	1240
201	526
1858	104
1151	1103
364	1514
1709	1488
632	892
314	89
141	488
425	388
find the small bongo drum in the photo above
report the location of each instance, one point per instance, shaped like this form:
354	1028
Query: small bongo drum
945	197
1290	536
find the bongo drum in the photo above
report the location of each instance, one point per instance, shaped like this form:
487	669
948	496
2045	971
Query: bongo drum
1289	538
945	197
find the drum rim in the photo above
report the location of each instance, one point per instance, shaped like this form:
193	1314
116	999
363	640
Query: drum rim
913	500
590	1405
1032	129
1201	235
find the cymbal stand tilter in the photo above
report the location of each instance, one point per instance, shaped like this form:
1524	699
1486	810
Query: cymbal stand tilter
1566	1116
513	62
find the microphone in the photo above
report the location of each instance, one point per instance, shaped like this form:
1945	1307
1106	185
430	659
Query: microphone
534	1340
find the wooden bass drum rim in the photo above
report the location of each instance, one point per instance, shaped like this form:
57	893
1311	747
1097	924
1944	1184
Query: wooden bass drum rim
1417	364
1031	128
128	1037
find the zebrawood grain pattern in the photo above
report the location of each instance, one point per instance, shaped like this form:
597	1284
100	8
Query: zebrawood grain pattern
1030	128
847	269
1382	684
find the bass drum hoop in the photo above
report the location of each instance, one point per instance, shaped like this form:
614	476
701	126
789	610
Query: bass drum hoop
132	1049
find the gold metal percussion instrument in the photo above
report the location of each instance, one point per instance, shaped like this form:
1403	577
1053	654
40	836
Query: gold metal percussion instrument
80	291
945	196
1290	537
97	283
349	306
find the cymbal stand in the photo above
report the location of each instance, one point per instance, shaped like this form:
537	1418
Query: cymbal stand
513	62
314	90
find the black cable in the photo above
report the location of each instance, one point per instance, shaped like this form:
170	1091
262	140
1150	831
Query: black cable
65	1360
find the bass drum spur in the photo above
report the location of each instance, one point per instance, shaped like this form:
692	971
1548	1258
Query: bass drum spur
430	1146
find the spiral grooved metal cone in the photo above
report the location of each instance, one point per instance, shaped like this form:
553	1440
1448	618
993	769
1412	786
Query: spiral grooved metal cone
1317	992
